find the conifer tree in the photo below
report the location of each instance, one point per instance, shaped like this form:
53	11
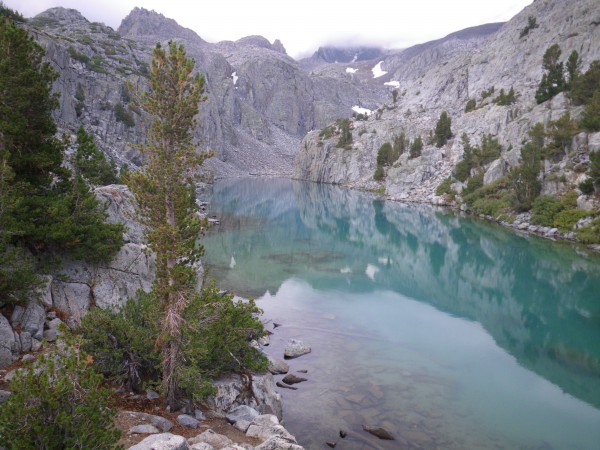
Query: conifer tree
443	130
166	197
553	81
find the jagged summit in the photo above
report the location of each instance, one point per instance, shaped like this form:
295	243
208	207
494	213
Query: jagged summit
330	54
141	23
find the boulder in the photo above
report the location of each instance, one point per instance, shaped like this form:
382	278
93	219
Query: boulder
26	341
496	171
265	432
242	412
216	440
144	429
30	319
202	446
160	422
187	421
164	441
278	443
277	366
231	393
72	298
8	346
295	348
286	386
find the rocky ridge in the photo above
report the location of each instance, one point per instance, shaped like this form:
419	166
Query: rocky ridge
428	86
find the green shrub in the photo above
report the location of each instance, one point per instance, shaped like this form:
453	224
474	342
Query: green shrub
473	183
345	139
504	99
586	186
78	56
545	209
590	119
59	403
531	25
379	174
326	132
445	188
416	147
215	339
492	199
124	116
487	93
471	105
122	342
566	219
590	234
493	207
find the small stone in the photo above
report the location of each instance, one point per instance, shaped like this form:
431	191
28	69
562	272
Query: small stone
242	412
4	396
35	345
144	429
151	395
380	432
275	325
302	371
187	421
50	335
242	425
343	434
331	444
199	415
292	379
282	385
264	341
28	357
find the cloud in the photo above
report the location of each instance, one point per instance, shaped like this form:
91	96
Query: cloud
303	26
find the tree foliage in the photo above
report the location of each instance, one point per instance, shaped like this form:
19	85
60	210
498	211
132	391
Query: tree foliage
524	178
416	147
553	81
59	403
43	208
345	139
90	163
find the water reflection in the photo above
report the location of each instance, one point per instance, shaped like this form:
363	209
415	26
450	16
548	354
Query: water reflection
537	300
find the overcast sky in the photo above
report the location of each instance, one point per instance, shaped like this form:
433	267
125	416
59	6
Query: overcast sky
303	26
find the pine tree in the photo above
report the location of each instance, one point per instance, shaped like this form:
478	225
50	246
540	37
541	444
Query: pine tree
443	130
166	197
573	68
553	81
91	163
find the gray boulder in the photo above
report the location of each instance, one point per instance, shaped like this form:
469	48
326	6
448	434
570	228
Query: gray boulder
144	429
72	298
26	341
242	412
187	421
295	348
277	366
158	421
202	446
497	170
210	437
164	441
278	443
30	319
8	347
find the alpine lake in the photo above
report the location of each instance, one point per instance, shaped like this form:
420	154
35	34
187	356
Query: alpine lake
448	331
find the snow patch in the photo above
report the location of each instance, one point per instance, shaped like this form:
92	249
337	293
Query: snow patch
355	57
346	270
235	78
378	71
371	270
395	84
351	70
359	110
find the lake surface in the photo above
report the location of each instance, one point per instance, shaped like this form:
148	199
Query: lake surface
450	332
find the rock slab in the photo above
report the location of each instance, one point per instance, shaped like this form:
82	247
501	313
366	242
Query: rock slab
295	348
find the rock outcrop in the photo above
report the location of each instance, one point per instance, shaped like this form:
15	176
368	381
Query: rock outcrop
434	80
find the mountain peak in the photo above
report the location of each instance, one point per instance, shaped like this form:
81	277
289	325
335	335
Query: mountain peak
61	14
140	23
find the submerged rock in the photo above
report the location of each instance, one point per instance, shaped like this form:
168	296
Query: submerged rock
277	366
380	432
293	379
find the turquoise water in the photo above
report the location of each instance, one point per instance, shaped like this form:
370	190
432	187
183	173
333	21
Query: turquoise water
450	332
